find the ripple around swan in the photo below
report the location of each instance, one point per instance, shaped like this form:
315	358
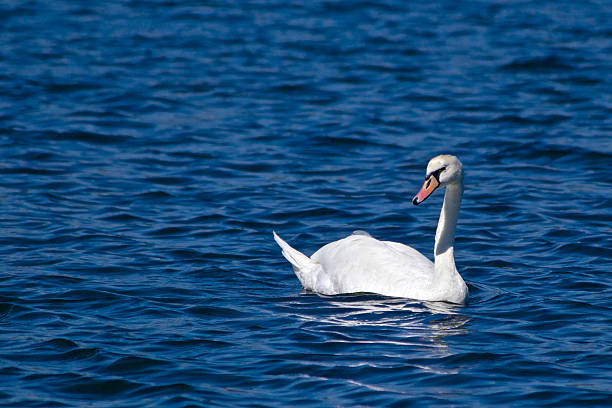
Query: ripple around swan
149	149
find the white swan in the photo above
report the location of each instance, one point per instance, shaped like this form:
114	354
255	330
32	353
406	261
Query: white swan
360	263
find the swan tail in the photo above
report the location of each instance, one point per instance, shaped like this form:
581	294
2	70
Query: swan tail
304	267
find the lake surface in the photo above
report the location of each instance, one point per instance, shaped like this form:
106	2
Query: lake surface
149	149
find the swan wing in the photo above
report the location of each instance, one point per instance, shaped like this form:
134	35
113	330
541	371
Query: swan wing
360	263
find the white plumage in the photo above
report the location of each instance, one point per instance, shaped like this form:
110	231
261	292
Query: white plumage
360	263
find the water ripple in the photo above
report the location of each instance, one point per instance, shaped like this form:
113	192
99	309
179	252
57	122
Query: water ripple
150	149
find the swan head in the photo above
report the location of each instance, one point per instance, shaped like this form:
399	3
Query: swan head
442	171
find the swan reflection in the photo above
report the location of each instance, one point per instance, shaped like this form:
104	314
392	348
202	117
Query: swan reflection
393	321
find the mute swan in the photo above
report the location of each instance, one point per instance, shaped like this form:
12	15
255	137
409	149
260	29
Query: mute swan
360	263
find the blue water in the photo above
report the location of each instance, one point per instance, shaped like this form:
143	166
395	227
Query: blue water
148	150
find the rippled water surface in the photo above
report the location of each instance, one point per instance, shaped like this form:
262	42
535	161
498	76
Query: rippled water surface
148	150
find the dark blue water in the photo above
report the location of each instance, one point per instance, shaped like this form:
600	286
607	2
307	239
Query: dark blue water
148	150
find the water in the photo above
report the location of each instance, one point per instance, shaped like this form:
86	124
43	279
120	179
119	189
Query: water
150	148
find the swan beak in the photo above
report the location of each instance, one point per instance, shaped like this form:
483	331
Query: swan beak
431	183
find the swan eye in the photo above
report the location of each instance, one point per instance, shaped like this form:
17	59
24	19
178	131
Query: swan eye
436	173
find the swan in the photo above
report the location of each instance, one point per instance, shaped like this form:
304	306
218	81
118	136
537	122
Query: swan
361	263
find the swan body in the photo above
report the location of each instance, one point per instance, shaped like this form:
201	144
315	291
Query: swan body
361	263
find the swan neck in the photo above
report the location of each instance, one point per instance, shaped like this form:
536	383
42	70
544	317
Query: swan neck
445	233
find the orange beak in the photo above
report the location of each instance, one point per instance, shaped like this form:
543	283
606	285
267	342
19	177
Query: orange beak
431	183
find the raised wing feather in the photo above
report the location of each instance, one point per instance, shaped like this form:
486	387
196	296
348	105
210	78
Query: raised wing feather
360	263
